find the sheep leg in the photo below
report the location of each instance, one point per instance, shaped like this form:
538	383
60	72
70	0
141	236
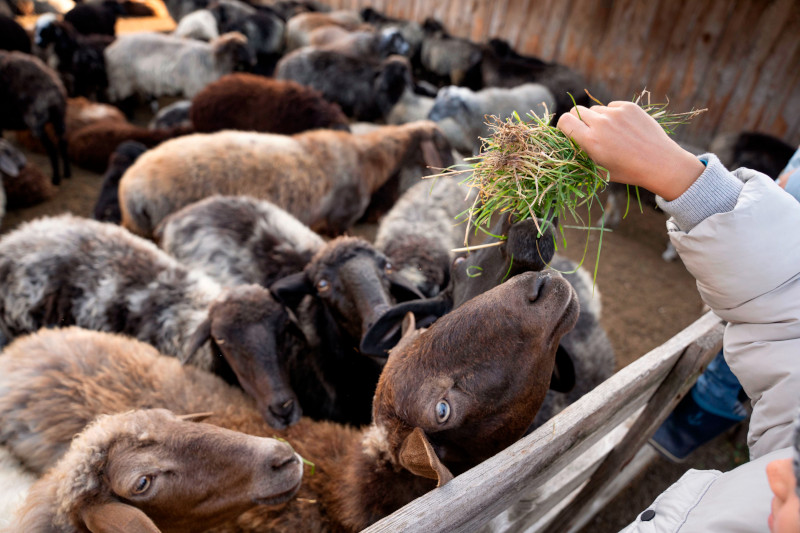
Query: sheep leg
60	129
50	148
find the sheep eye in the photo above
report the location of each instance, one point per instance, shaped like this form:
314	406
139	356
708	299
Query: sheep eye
142	484
388	268
442	411
458	260
323	285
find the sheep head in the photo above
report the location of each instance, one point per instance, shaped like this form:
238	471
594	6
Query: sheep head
450	101
354	282
480	374
12	160
253	331
232	49
150	471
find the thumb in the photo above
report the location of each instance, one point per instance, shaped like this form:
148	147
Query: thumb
573	127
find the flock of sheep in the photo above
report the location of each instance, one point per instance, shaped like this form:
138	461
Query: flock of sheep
215	301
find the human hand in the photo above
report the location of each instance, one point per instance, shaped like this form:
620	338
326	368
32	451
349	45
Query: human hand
633	147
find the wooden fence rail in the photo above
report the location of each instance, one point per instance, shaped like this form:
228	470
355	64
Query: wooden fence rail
523	487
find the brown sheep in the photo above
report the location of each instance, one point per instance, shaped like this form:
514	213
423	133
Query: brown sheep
324	178
255	103
24	184
448	398
91	147
149	471
299	27
81	112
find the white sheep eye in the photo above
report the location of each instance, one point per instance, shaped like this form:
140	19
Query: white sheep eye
142	484
323	285
442	411
388	268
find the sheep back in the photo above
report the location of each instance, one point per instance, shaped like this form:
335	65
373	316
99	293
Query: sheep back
255	103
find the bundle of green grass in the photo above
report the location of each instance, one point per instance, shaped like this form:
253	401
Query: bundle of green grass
532	169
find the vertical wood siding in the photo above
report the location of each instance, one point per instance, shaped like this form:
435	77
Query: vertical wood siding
738	58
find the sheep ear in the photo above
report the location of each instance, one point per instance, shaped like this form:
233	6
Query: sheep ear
196	417
291	289
563	378
417	456
9	166
116	517
431	154
198	339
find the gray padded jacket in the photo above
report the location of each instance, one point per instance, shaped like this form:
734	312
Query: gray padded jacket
737	233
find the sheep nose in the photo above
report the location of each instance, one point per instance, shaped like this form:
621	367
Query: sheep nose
538	284
282	460
282	410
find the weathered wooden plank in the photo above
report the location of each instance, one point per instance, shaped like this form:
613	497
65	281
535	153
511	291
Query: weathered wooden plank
672	389
473	498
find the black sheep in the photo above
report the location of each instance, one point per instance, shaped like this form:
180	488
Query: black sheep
81	62
89	19
13	36
106	209
32	96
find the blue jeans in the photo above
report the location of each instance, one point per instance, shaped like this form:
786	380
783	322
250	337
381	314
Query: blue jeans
717	390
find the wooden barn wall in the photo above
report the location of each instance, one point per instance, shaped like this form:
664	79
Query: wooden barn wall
740	59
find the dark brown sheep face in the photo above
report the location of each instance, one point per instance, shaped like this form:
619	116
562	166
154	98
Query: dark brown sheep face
187	476
470	385
355	283
252	331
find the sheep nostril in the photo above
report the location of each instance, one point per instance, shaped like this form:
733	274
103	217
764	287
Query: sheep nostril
538	285
282	410
281	461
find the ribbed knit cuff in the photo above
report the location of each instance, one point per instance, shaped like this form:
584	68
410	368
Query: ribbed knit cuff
715	191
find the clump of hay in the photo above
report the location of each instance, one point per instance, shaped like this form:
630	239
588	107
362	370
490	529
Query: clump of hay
531	169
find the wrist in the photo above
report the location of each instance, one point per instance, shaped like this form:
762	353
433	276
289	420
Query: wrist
675	177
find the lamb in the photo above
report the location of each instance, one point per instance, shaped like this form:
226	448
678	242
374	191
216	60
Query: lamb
32	96
23	184
92	146
420	231
254	103
411	30
80	58
68	270
13	36
200	25
106	209
149	470
451	60
299	27
366	89
99	18
442	404
153	65
501	66
238	240
468	108
324	178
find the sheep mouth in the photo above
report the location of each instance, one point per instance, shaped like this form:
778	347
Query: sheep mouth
281	497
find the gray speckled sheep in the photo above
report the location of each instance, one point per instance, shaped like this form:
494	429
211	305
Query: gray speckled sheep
68	270
469	108
238	240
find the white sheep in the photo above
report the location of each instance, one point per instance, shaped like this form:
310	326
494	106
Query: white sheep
200	25
153	64
469	108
